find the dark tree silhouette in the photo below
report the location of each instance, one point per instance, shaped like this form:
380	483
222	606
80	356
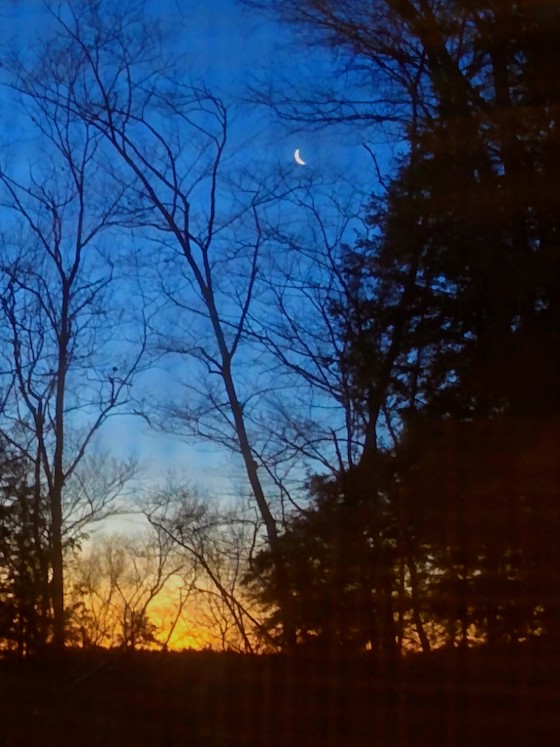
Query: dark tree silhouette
25	609
59	316
340	567
456	294
166	138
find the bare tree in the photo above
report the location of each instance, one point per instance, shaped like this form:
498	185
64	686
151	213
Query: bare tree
384	51
69	356
217	544
311	418
118	582
97	490
216	242
169	137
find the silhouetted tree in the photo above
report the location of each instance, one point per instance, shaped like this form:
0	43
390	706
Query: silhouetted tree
439	321
216	544
167	138
456	292
117	583
482	497
337	556
57	313
25	609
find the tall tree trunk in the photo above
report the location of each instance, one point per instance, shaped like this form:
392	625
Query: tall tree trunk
402	598
280	570
43	558
57	585
58	476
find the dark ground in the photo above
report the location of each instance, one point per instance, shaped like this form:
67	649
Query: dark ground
447	699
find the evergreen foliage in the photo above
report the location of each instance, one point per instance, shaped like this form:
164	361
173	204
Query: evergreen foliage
450	334
25	611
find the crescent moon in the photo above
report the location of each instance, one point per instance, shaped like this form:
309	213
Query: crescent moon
298	159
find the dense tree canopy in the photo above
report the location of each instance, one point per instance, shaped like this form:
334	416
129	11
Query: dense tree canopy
452	322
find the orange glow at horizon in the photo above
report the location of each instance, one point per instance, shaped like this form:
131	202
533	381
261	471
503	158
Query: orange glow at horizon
185	634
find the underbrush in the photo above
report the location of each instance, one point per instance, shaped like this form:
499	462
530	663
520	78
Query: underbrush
205	699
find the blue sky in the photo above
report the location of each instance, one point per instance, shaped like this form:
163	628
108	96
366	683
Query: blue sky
226	46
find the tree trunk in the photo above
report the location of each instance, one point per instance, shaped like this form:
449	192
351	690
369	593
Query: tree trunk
58	478
57	585
280	571
416	616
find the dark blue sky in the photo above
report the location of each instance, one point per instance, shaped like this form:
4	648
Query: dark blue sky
227	46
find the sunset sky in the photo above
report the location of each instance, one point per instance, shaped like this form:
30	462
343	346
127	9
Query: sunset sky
274	302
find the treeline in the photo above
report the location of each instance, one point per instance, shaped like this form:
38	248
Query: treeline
410	372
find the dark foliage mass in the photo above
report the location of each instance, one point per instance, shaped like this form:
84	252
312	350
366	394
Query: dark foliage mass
24	558
450	520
